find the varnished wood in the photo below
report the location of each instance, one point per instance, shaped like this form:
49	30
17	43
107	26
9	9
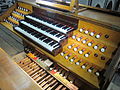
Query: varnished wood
27	6
66	63
17	16
14	21
97	15
69	8
12	77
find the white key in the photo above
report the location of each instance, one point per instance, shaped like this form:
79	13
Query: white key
54	44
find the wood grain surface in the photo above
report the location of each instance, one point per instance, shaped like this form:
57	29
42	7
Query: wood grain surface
12	77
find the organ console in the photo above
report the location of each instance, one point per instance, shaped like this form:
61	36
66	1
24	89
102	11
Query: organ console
63	50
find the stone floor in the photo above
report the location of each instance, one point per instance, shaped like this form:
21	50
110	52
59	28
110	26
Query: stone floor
10	42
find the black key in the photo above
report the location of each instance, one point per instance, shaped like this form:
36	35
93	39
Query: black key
44	28
32	15
37	35
58	35
62	37
53	33
60	25
49	22
65	27
48	30
47	40
42	37
33	33
28	20
54	23
69	29
43	19
29	31
52	43
39	17
41	26
34	24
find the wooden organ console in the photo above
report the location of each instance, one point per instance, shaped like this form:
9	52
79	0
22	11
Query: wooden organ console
63	51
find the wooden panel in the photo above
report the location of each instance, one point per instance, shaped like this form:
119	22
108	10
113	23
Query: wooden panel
21	11
14	21
17	16
56	16
27	6
97	29
12	77
101	16
54	5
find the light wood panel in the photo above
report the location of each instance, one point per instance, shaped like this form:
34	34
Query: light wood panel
12	77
